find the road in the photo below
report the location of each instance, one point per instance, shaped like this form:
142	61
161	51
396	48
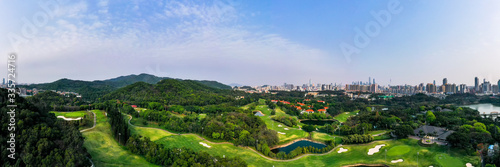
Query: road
95	122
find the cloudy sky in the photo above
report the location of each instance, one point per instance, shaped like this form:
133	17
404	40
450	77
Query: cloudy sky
254	42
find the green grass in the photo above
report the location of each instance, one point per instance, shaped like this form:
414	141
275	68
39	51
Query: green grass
356	153
446	160
291	134
324	137
106	151
74	114
399	150
343	116
201	116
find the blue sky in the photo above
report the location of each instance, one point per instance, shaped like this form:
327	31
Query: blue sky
254	42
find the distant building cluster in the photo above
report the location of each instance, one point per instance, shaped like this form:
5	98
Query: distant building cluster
353	89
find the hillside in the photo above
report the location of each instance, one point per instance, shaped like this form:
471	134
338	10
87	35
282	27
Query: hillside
92	90
40	139
172	91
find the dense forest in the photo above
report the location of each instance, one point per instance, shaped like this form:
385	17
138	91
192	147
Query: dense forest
40	139
91	91
171	91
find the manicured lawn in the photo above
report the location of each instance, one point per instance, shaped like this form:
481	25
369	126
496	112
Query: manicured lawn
356	153
447	160
398	150
318	136
343	116
153	134
74	114
105	151
201	116
291	134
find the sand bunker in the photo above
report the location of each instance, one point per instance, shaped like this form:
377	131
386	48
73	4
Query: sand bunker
205	144
397	161
279	125
341	150
281	133
372	151
468	165
69	119
286	128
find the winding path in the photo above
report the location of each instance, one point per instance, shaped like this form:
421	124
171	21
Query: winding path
263	156
95	122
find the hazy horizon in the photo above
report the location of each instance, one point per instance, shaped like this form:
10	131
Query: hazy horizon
254	42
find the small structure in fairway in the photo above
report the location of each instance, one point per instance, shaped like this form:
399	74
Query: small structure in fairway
341	150
372	151
397	161
205	144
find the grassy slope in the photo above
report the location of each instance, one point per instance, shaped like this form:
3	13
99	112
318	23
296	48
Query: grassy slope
343	117
356	153
105	151
291	134
74	114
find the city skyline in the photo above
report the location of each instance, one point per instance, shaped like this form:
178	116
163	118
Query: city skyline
256	42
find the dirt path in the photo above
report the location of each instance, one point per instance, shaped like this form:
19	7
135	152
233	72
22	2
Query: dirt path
95	122
263	156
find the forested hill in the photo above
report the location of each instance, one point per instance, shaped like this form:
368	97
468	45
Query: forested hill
40	139
92	90
172	91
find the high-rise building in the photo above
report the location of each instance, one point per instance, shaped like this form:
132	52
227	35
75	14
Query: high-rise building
3	83
476	84
498	85
434	82
445	81
431	88
369	80
375	83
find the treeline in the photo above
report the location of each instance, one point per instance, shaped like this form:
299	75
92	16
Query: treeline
357	139
287	120
316	116
160	155
119	125
40	138
52	101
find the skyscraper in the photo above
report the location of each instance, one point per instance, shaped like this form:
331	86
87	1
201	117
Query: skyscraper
498	85
445	81
476	84
369	80
434	82
3	83
375	83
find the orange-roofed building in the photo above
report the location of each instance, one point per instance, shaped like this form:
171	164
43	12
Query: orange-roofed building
302	104
326	108
133	106
322	111
320	101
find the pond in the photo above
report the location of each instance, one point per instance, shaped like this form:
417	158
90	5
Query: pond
484	108
301	143
317	122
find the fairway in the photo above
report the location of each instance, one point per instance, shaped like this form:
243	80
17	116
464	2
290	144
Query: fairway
105	151
356	153
291	134
74	114
446	160
343	116
399	150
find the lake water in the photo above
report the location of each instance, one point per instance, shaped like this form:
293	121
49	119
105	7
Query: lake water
317	122
302	143
484	108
